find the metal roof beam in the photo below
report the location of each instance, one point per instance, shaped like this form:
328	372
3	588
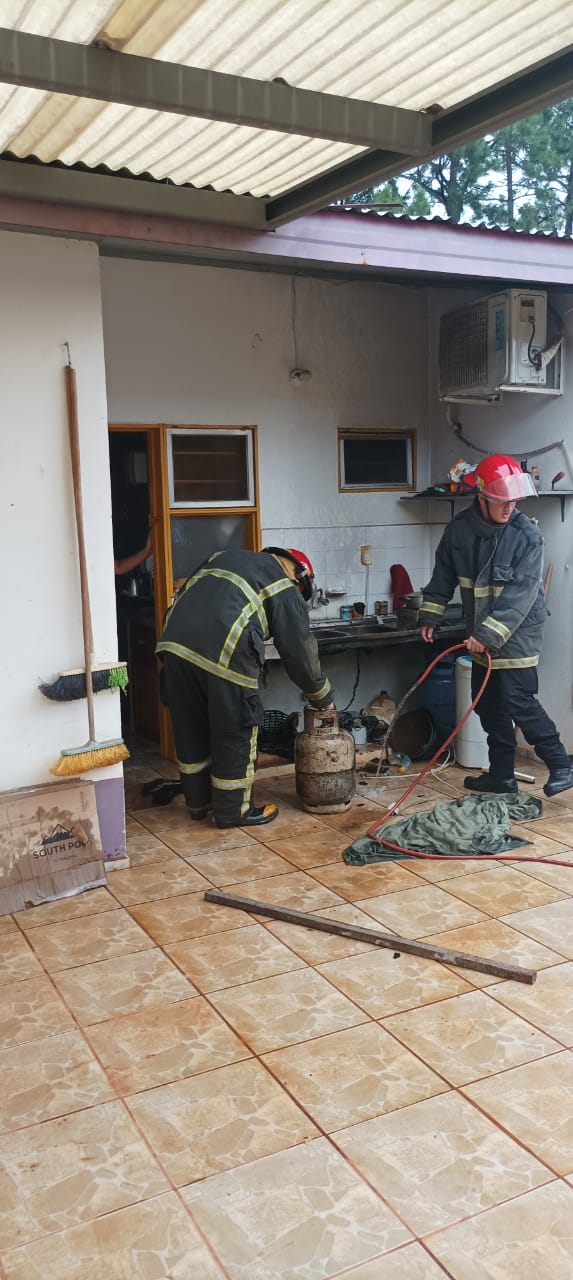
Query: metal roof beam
58	185
538	87
59	66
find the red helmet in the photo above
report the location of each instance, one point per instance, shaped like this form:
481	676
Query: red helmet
500	478
304	572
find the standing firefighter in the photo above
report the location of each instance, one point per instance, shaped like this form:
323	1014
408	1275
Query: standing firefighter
495	555
213	653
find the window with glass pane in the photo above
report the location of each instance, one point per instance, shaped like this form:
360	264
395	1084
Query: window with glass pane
195	538
210	468
376	459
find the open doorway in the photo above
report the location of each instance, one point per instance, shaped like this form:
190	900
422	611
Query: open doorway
134	581
196	489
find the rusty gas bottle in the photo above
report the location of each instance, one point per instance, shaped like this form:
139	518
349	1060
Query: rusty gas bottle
325	763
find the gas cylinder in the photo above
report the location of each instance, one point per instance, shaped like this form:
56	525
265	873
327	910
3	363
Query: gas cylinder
325	763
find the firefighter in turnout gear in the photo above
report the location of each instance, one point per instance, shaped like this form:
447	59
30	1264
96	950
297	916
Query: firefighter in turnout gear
212	650
495	555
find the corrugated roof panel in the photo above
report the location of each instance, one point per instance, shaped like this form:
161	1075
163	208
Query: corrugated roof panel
408	53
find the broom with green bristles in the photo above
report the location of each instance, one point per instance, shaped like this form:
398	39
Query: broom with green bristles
94	754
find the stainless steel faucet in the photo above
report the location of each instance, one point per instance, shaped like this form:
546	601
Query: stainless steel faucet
318	598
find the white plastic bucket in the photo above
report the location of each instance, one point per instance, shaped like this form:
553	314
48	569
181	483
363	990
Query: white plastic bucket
470	746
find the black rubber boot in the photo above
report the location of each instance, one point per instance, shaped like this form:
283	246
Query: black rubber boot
197	815
559	780
256	817
498	786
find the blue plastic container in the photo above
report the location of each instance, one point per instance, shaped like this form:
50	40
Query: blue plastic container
438	696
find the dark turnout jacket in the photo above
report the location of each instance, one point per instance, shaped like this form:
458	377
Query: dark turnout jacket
221	618
498	569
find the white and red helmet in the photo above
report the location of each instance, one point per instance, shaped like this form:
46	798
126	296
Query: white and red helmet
499	478
303	568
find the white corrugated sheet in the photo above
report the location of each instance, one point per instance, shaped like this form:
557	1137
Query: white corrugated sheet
407	53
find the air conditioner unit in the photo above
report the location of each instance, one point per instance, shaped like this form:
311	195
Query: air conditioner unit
500	344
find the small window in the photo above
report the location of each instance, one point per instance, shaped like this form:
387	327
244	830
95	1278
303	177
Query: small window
376	460
210	468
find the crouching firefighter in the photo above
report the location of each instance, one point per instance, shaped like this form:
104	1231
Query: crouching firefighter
212	650
495	555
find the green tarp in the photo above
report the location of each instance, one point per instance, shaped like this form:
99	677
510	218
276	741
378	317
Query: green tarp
472	825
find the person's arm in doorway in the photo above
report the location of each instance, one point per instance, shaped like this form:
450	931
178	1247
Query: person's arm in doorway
129	563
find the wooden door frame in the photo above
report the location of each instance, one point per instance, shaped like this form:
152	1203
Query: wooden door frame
160	514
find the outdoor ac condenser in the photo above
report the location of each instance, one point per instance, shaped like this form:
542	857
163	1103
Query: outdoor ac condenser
499	344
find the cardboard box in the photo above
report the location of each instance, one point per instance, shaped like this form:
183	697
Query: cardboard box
50	844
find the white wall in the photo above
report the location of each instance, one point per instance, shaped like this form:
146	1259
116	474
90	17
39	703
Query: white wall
204	345
521	422
50	294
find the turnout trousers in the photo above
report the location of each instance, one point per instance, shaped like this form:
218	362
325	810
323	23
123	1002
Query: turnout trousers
510	698
215	725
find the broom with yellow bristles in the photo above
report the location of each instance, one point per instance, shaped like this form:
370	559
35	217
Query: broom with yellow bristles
94	754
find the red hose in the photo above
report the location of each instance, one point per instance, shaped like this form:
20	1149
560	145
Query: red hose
451	857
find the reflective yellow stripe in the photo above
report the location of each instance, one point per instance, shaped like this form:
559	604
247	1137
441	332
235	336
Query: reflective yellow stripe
246	589
229	784
213	668
194	768
321	693
235	634
498	628
503	664
250	770
275	587
428	607
467	583
481	592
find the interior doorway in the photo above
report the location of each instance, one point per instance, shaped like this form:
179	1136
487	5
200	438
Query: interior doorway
191	490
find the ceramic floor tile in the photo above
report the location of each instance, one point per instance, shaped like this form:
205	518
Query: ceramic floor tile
470	1037
187	916
159	1045
411	1262
557	827
7	925
548	1004
291	823
145	853
439	1161
534	1103
559	876
302	1214
356	883
438	870
539	844
49	1078
414	913
158	818
31	1010
356	821
91	902
352	1076
297	889
126	984
150	1241
502	890
231	866
551	925
76	942
203	837
315	946
526	1239
230	959
381	984
285	1010
218	1120
309	849
17	960
495	941
160	880
58	1174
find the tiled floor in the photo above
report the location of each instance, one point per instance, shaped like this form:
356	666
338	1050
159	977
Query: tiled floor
192	1093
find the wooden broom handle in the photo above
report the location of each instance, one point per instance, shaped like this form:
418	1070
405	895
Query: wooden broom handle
72	403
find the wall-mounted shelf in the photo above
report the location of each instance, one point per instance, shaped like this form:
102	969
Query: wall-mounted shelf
452	498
